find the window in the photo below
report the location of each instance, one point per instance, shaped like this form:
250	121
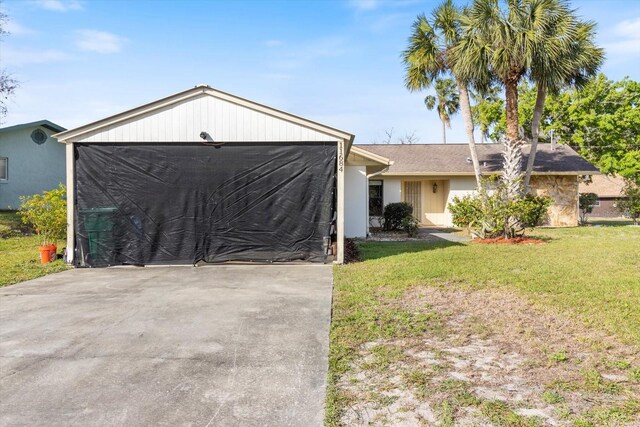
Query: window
4	169
375	198
596	203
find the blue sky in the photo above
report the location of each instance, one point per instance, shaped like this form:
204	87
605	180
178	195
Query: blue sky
336	62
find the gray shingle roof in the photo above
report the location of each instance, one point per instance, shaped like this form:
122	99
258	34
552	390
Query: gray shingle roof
44	123
432	159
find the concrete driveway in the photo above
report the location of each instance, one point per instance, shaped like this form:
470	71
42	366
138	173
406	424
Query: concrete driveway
167	346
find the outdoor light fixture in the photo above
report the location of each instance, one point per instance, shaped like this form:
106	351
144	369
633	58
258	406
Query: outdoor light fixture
435	187
208	140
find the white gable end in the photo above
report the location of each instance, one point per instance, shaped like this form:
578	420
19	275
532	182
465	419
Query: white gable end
224	120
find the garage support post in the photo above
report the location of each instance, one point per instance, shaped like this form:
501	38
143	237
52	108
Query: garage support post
70	202
340	202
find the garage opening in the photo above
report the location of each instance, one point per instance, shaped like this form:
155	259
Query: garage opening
186	202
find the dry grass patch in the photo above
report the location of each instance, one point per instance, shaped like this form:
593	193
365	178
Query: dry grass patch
496	360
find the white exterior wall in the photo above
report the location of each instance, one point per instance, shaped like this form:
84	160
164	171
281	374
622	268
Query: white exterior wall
355	211
222	119
391	190
459	186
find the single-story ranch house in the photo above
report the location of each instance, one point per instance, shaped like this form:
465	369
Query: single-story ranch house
31	161
204	175
429	176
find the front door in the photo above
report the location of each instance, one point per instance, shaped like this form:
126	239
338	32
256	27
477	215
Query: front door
434	196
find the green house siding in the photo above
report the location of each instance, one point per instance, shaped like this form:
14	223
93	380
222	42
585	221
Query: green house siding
32	168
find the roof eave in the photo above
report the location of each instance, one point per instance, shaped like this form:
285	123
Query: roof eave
40	123
71	134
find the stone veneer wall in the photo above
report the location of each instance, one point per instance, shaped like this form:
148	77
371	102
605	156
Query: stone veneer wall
564	191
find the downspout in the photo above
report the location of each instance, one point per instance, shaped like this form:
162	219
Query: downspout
371	175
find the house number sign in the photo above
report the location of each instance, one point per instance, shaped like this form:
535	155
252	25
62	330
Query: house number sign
340	157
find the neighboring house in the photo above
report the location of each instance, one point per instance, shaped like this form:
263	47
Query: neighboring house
31	161
609	190
429	176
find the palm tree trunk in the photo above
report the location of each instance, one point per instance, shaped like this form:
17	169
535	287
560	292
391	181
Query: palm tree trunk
444	132
511	95
465	108
535	133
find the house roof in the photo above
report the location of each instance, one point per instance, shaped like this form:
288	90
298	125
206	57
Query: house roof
197	91
454	159
40	123
359	152
603	186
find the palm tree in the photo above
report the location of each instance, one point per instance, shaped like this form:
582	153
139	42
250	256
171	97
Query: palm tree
538	39
446	101
428	58
567	57
503	44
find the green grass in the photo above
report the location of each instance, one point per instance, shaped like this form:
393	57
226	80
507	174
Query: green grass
588	273
591	273
19	256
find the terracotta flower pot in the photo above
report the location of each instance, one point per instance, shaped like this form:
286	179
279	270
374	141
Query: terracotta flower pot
47	253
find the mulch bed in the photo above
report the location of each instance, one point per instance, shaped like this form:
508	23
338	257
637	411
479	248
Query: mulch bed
512	241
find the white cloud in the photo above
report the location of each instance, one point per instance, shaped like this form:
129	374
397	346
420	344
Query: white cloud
12	27
364	4
99	41
627	39
59	5
629	28
273	43
24	57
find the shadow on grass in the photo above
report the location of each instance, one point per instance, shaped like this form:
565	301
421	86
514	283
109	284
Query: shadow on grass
376	250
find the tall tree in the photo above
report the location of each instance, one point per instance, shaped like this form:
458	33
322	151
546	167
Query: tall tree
537	39
487	111
568	56
446	101
8	84
428	58
600	121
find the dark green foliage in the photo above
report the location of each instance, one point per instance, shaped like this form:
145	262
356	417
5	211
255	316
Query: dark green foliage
630	204
410	225
394	213
587	200
351	252
491	213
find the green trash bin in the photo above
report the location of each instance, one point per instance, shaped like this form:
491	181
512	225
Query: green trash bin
99	225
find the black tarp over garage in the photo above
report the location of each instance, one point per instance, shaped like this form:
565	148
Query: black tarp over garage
184	203
204	175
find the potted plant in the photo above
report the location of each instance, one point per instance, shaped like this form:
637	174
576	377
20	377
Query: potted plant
47	214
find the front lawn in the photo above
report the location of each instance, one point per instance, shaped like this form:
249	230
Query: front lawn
19	256
449	333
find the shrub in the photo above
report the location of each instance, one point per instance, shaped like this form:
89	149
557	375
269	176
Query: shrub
46	213
410	226
587	201
491	213
630	204
393	215
351	251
